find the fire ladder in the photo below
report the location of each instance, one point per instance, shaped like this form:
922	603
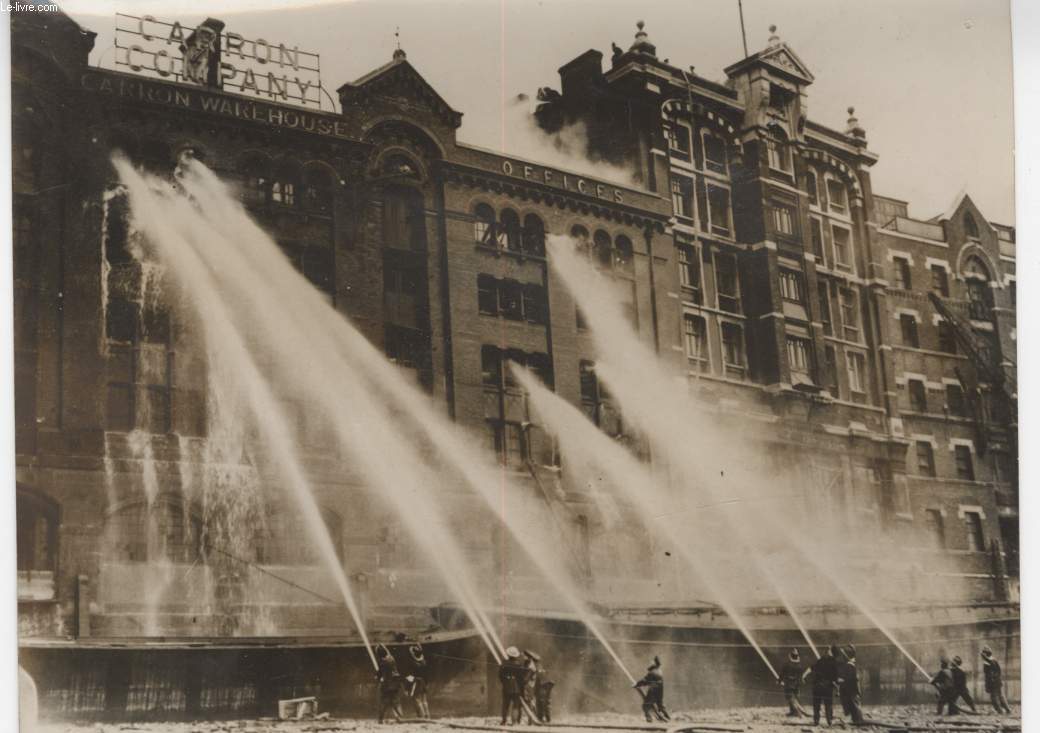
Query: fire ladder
985	357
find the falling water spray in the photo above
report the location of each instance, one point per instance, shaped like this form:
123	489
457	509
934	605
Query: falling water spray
453	445
150	219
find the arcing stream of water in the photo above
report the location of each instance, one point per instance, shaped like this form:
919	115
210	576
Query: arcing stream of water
668	417
228	267
335	339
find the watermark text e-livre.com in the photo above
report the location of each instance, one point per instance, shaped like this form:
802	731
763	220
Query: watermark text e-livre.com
29	7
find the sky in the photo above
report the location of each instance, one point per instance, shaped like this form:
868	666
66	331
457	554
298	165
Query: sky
930	80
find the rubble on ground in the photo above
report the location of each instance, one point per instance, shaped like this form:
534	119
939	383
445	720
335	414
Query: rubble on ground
916	719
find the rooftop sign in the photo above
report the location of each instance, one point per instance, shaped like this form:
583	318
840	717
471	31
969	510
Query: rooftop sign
210	56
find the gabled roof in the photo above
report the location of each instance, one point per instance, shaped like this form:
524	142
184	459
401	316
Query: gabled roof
951	210
399	75
781	58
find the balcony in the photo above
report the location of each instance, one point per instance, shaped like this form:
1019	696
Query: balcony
916	228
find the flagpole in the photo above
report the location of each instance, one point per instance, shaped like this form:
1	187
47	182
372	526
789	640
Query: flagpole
743	33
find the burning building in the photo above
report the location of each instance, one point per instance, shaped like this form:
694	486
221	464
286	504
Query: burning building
163	572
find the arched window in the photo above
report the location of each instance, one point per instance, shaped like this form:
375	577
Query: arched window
317	191
971	227
484	225
534	236
602	249
140	532
400	165
510	235
285	184
580	235
980	297
623	254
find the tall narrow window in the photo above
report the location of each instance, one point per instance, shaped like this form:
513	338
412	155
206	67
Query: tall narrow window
718	205
580	235
856	362
976	539
695	336
830	356
682	196
714	154
940	281
792	286
849	313
925	458
963	460
534	236
623	254
510	300
733	347
510	234
404	219
778	154
690	272
487	295
947	338
836	196
971	227
823	293
901	277
955	400
783	219
679	140
484	225
799	356
918	395
810	187
726	282
816	233
603	251
908	328
842	243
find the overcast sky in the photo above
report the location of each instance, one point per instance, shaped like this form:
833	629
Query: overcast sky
930	79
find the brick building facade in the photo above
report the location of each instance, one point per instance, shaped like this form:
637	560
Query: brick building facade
761	264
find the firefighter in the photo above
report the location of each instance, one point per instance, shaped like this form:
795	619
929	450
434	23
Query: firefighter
543	695
389	684
848	686
943	682
960	684
512	674
417	681
790	678
825	677
994	681
653	697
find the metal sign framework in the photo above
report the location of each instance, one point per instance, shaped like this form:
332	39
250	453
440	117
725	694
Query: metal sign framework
153	47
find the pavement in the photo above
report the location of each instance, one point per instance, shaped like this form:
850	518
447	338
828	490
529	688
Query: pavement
737	720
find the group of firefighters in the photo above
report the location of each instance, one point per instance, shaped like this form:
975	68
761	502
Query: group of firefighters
836	670
527	687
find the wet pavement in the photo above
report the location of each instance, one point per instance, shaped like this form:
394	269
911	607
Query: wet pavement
739	720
